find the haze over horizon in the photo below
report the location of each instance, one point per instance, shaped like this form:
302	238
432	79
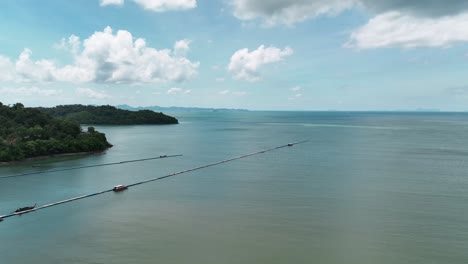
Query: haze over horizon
245	54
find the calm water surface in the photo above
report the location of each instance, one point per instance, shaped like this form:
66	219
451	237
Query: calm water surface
367	188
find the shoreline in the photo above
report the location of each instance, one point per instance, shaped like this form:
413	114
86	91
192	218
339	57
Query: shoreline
45	157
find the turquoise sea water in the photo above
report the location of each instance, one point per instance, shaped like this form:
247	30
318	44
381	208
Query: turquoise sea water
367	188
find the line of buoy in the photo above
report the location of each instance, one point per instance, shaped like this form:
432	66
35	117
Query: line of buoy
147	181
89	166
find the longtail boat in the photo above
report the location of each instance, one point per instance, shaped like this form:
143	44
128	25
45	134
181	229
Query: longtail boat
26	208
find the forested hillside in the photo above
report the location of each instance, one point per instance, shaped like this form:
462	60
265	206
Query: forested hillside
108	115
28	132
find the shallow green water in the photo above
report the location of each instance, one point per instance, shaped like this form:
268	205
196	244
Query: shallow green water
367	188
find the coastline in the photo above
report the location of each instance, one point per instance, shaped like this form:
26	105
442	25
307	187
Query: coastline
45	157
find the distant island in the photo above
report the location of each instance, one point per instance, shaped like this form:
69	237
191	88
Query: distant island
28	132
178	109
108	115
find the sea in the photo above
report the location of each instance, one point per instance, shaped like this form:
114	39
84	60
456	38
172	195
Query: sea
367	188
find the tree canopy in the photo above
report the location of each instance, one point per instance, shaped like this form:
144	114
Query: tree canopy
28	132
108	115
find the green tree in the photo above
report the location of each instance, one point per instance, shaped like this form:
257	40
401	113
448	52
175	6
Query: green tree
28	132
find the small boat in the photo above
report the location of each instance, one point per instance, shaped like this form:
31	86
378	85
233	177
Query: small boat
26	208
120	188
290	144
163	156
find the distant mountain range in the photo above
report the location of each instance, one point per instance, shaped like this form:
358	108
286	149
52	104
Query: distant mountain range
177	109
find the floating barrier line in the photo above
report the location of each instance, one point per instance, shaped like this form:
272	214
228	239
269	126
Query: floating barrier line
215	163
151	180
88	166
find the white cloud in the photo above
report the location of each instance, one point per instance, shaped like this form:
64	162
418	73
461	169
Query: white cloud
295	88
22	91
7	72
106	57
72	44
110	2
156	5
407	24
176	91
287	12
42	70
118	58
165	5
181	47
90	93
296	95
395	29
244	65
418	7
228	92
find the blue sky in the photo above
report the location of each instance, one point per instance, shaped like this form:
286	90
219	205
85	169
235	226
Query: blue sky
253	54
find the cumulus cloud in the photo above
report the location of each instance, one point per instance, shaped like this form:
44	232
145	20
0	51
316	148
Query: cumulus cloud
156	5
110	58
395	29
287	11
110	2
293	11
72	44
165	5
90	93
181	47
229	92
176	91
119	58
244	65
428	8
22	91
42	70
7	72
396	23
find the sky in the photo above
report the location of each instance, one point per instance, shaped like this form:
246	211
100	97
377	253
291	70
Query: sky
356	55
